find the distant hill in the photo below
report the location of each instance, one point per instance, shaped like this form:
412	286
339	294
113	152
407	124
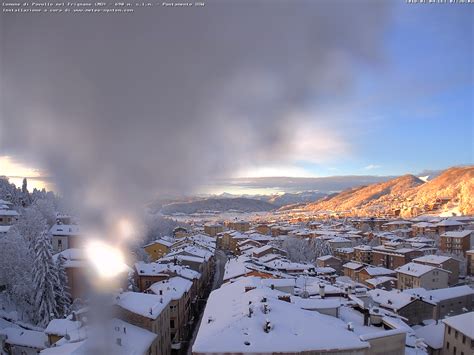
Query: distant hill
296	198
454	184
218	204
452	190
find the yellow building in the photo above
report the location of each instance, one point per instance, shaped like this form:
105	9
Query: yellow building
180	232
158	248
213	229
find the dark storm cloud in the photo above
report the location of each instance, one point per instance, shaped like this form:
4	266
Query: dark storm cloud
121	107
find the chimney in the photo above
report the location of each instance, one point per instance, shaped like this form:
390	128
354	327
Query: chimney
366	317
322	291
267	327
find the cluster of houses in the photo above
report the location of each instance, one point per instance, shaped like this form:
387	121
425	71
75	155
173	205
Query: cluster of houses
381	286
153	313
8	216
396	287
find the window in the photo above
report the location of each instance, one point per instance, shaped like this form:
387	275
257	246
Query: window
454	351
464	339
456	334
447	345
172	323
449	329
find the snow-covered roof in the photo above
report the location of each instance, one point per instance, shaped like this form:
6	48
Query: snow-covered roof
417	270
352	265
146	305
133	341
263	249
4	229
449	223
379	271
28	338
259	237
174	287
326	257
391	299
345	250
269	257
161	241
236	267
316	303
457	234
74	257
396	223
227	327
210	224
432	334
249	241
363	247
192	250
423	225
7	324
5	212
462	323
65	229
324	270
433	259
156	269
65	349
279	282
375	281
441	294
62	327
339	240
286	265
194	259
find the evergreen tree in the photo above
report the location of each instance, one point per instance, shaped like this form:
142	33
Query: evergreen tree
26	198
45	280
62	290
24	186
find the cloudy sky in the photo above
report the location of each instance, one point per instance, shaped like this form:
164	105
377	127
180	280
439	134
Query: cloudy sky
168	99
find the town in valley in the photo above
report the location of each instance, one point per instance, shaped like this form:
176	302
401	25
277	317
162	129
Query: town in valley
237	177
296	279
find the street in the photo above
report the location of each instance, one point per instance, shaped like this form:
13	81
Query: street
221	260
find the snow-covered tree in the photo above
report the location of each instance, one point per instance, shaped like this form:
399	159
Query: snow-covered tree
31	224
45	280
306	250
62	290
320	247
16	262
47	209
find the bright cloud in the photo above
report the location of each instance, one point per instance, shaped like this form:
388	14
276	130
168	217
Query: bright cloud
16	171
372	167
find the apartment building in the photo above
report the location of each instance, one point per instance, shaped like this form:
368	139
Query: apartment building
413	275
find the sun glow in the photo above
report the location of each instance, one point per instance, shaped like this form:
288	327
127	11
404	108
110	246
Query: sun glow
16	171
106	259
125	229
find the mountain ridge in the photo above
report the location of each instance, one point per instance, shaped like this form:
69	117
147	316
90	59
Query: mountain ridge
407	195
